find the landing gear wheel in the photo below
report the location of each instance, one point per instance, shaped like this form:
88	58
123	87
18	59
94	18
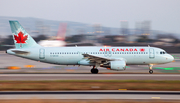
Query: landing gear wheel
150	71
150	68
94	71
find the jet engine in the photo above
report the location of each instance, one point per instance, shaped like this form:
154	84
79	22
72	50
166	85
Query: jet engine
115	65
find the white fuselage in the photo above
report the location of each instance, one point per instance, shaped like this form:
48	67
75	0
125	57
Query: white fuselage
73	55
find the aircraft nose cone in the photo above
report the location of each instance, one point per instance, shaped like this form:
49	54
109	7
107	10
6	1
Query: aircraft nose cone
171	58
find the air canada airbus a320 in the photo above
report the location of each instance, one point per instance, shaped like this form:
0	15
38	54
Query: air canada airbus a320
113	58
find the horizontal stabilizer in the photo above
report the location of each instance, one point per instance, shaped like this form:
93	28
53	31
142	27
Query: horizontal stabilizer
20	52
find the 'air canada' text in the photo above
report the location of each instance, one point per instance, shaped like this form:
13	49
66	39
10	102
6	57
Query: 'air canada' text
122	49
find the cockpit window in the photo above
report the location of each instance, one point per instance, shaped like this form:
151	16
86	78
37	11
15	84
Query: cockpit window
162	52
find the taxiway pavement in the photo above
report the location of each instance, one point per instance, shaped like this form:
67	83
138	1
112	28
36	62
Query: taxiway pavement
111	94
34	77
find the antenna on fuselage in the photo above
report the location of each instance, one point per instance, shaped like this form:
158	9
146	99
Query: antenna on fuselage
148	46
75	45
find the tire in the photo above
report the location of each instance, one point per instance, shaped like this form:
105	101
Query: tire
150	71
94	71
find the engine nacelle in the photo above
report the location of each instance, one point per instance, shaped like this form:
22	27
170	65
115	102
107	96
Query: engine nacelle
115	65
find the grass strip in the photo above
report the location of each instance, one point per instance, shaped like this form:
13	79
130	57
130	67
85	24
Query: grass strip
89	85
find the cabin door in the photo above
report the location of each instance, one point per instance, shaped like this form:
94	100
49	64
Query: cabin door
151	53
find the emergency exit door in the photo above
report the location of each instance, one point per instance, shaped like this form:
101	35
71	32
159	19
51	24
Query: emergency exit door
41	53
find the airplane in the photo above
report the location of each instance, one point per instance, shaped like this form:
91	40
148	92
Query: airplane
59	42
113	58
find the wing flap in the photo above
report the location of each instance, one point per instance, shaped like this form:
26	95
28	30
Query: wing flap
94	58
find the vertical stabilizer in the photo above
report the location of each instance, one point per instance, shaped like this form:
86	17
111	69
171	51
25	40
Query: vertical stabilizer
21	38
62	31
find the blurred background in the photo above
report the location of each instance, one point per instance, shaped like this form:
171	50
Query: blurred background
94	23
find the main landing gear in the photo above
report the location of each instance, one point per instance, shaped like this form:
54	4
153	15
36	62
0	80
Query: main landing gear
150	68
94	70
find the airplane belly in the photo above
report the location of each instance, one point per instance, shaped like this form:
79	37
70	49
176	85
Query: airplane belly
140	60
68	60
156	60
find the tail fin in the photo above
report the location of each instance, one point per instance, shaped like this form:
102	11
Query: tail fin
61	32
21	38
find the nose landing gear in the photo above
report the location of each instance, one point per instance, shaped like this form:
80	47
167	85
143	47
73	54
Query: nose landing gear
94	70
150	68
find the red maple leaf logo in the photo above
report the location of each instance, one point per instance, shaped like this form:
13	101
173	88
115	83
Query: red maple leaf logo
20	38
142	49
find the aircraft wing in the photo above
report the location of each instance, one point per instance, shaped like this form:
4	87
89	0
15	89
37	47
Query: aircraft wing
94	58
